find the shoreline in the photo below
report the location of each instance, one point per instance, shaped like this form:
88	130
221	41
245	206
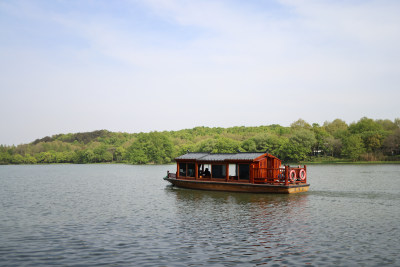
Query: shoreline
172	163
348	162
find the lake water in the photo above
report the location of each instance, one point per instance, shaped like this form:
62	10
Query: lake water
123	215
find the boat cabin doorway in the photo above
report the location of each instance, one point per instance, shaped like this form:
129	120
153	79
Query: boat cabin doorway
243	171
218	171
239	171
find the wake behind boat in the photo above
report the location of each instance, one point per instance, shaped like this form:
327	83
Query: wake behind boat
252	172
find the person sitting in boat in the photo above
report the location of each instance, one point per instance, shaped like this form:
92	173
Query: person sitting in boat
207	173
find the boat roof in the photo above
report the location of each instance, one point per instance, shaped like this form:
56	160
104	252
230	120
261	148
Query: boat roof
204	156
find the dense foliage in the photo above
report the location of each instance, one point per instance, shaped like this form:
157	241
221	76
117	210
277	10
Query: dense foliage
367	139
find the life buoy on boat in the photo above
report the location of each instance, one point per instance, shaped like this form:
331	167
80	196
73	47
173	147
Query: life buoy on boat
302	174
292	176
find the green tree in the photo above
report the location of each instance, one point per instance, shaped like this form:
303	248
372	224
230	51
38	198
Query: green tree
372	140
79	157
391	144
153	147
30	159
101	154
5	157
303	142
60	157
183	149
207	145
287	143
45	157
219	145
321	136
337	128
332	146
299	145
225	145
387	125
137	154
353	147
17	159
268	142
249	145
89	156
397	122
300	124
364	125
119	154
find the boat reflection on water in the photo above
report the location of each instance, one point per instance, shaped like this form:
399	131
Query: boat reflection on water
259	200
263	227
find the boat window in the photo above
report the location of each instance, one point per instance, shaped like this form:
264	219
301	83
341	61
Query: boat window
244	171
232	170
182	169
204	170
186	169
218	171
200	169
190	169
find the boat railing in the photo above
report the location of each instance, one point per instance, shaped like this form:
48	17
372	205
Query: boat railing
300	174
171	175
286	175
269	175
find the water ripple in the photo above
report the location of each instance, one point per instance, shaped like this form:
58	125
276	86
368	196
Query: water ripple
119	215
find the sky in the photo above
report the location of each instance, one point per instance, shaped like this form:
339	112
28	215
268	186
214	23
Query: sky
70	66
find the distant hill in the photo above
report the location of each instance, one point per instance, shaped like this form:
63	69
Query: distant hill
367	140
79	137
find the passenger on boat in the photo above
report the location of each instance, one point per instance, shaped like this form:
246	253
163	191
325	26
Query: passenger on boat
207	173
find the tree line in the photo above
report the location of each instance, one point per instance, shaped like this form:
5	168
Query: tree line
364	140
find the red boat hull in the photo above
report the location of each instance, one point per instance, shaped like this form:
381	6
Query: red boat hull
239	187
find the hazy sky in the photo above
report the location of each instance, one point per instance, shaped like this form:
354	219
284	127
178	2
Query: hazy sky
154	65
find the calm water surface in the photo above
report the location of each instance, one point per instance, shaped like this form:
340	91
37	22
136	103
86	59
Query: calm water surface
122	215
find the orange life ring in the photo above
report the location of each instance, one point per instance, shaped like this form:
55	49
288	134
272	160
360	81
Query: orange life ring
302	174
292	175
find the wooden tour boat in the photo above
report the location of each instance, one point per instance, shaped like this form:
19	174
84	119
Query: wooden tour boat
252	172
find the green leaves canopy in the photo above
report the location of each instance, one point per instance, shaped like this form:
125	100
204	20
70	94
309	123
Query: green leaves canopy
366	139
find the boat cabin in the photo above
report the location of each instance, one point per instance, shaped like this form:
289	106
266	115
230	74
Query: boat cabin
242	167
